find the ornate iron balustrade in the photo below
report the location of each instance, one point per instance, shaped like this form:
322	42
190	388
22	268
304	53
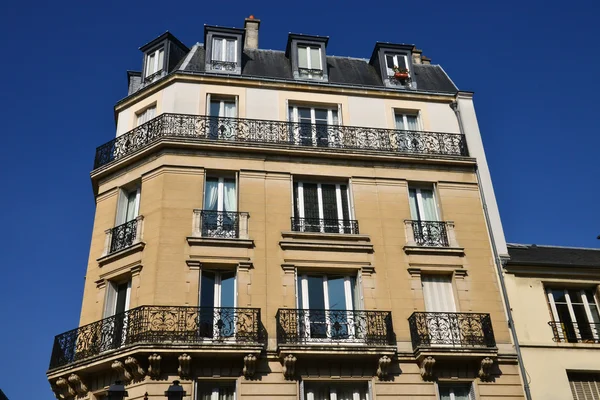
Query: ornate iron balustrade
349	226
440	329
573	332
194	127
152	77
306	72
217	65
123	236
430	233
334	326
160	325
219	224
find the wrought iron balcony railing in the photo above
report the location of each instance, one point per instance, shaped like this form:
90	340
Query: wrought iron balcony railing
218	65
334	327
430	233
123	236
193	127
220	224
457	330
573	332
158	325
349	226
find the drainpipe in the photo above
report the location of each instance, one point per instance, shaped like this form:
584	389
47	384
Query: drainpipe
500	263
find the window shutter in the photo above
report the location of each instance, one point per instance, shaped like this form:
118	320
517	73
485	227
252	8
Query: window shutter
585	386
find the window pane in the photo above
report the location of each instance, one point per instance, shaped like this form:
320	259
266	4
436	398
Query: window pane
302	57
227	289
207	289
414	208
150	64
316	295
558	295
311	201
229	196
575	296
389	59
315	58
304	115
230	111
159	65
400	122
411	122
459	392
336	293
217	50
401	61
429	209
320	116
215	108
211	194
230	50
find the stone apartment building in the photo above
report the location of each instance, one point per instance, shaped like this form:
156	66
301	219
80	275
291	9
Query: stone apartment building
291	225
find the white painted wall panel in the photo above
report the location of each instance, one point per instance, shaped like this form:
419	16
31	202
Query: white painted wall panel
367	111
262	104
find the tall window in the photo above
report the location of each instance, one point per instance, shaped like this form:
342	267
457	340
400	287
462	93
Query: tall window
335	391
146	115
575	313
217	299
216	390
322	207
114	327
456	392
221	126
407	122
309	61
584	385
219	216
128	205
154	62
398	60
224	49
438	293
422	204
314	126
327	301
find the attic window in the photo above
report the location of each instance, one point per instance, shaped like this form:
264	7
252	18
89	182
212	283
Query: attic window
309	62
223	50
224	53
154	63
398	62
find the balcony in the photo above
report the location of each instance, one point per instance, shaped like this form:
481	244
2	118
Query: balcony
573	332
123	239
431	237
197	328
334	328
282	133
348	226
220	224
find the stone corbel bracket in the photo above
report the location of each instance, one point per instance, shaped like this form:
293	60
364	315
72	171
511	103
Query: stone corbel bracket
289	366
136	369
485	368
249	366
64	390
383	367
76	383
154	365
124	374
185	362
426	367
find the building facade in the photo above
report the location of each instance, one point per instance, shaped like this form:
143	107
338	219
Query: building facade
293	225
557	319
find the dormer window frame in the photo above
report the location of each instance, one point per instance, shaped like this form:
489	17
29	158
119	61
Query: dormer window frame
379	59
157	69
223	66
313	43
172	51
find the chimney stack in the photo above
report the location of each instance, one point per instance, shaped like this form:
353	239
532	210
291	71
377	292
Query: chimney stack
251	25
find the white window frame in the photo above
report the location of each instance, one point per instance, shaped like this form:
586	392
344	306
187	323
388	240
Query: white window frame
472	395
308	48
217	297
154	67
313	121
110	308
223	45
395	57
420	202
338	197
143	116
220	192
408	114
305	394
123	203
215	390
586	306
222	102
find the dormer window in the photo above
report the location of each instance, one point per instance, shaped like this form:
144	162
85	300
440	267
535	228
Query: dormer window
309	62
400	61
223	49
224	53
154	63
307	56
394	64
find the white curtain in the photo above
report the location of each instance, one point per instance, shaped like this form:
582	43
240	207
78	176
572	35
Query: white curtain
303	57
230	110
412	198
217	50
230	50
159	65
211	195
131	200
315	58
400	122
229	201
411	123
429	212
438	293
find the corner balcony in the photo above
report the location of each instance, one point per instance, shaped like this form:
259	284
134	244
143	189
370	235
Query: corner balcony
221	233
147	329
452	336
242	131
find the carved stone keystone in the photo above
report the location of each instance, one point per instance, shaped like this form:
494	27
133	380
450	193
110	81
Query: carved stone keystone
249	365
382	368
76	383
185	360
135	367
486	366
154	365
289	366
427	367
124	374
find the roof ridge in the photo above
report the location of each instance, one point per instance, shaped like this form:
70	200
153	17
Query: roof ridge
521	245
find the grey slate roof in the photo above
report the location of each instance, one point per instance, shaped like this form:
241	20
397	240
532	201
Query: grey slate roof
521	254
341	70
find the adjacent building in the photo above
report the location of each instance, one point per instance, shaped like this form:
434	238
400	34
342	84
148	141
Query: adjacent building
554	292
291	225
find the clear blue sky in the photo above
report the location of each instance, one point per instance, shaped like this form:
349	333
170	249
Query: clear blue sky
533	65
